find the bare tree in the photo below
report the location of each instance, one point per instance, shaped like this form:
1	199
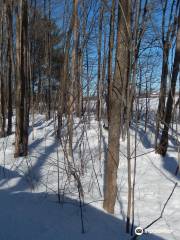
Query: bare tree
22	83
9	14
116	104
162	147
167	38
99	83
71	97
2	71
110	57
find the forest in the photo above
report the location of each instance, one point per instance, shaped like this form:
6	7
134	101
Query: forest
89	119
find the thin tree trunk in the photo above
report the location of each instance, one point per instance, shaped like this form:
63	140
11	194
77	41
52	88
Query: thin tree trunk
63	84
77	70
49	62
2	74
71	97
99	83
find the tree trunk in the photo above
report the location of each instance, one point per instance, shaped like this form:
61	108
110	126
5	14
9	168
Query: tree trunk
9	9
49	62
120	80
77	68
110	55
99	83
22	84
2	75
71	96
166	45
63	87
162	147
162	97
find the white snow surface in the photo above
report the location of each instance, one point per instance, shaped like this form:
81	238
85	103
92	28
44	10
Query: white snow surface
29	207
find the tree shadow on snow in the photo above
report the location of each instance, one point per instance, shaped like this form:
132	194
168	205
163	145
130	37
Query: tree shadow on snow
30	216
144	136
35	163
147	141
169	163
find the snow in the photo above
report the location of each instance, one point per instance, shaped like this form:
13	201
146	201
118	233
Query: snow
29	207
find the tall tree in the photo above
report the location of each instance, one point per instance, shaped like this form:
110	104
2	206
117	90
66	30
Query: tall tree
162	147
9	14
22	83
167	38
99	83
71	96
110	57
49	53
2	70
116	104
76	66
64	100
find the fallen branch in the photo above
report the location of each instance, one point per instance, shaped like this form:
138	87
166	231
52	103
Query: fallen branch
161	215
136	237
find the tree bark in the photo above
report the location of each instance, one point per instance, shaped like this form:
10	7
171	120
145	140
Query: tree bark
71	97
9	9
64	88
99	83
110	56
22	84
120	80
2	75
166	45
162	147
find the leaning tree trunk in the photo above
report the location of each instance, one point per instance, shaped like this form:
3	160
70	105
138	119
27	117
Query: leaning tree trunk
22	85
120	80
162	147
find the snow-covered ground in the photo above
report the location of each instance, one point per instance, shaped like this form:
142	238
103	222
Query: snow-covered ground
29	207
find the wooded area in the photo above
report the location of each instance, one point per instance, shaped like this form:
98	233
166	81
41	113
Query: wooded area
85	62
